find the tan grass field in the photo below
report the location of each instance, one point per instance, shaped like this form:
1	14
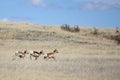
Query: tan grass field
81	56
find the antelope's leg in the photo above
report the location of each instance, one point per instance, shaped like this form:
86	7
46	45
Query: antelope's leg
30	56
53	57
36	57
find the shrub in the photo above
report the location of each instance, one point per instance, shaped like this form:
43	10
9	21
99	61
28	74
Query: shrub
117	30
116	36
95	31
70	29
76	28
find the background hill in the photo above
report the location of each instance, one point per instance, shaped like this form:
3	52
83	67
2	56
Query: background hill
90	54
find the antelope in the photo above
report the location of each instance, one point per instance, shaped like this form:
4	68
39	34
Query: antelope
21	54
51	55
36	54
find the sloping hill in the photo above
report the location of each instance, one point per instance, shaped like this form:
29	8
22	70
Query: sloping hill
82	55
26	31
54	36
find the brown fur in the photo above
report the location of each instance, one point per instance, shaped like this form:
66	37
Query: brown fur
36	52
51	54
22	53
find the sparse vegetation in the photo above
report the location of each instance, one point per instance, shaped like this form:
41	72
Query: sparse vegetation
95	31
70	29
5	34
116	36
117	30
106	34
80	57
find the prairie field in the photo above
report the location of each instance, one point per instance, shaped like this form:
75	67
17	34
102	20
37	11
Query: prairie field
82	56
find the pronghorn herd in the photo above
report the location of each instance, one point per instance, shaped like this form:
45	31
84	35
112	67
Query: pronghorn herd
35	54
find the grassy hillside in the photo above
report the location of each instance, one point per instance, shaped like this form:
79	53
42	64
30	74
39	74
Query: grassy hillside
89	54
27	31
53	36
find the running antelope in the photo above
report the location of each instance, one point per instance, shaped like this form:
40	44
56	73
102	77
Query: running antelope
21	54
36	54
51	55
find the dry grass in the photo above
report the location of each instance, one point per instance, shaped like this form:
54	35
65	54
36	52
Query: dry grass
82	56
78	67
6	36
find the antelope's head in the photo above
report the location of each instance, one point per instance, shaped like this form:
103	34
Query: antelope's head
55	51
42	52
26	51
